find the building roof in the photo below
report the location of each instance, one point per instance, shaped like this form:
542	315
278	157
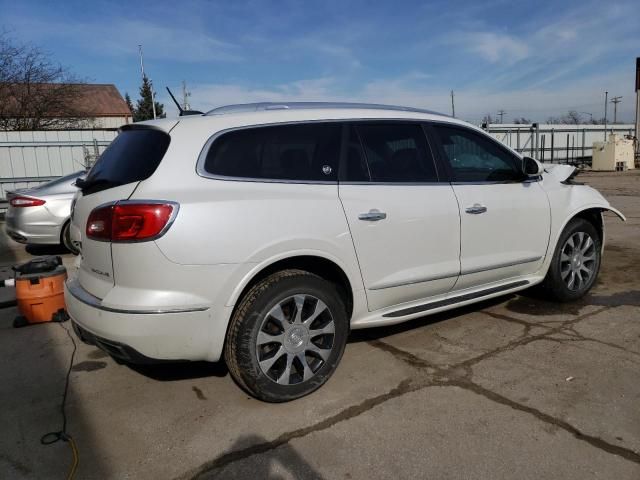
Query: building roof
101	100
87	99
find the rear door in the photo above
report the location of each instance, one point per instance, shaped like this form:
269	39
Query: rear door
504	216
404	223
132	157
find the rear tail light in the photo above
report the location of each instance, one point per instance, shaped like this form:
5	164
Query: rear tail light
22	201
130	221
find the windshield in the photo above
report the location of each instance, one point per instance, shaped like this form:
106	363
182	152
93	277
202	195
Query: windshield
132	157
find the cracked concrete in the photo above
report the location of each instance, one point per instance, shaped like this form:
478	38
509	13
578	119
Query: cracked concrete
512	388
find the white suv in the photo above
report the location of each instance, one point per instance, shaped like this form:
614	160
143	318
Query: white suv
263	233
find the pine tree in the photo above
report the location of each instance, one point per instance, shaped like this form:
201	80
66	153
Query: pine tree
144	107
127	99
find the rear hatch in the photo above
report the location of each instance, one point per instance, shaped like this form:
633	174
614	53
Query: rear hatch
131	158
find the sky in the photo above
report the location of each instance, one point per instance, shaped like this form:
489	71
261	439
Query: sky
530	59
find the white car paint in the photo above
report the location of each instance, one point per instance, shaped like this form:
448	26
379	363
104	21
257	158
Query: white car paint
172	298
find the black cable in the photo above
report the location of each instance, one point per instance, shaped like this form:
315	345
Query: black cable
53	437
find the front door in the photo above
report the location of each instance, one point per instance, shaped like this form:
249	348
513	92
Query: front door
404	223
504	217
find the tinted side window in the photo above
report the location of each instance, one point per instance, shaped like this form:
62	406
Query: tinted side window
355	165
474	158
307	152
397	152
133	156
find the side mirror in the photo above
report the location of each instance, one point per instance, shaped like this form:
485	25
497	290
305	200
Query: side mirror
531	167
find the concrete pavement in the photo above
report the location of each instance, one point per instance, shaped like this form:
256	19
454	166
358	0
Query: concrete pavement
512	388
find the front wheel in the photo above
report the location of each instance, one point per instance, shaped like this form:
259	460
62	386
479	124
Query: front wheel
576	262
287	336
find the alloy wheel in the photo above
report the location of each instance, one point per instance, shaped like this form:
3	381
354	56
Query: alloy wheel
578	261
295	339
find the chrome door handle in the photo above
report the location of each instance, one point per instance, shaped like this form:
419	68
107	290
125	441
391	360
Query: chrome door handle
372	216
476	209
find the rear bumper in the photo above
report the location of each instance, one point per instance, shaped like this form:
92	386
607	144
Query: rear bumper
33	234
140	336
118	350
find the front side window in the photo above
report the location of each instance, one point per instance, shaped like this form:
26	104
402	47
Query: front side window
474	158
305	152
397	152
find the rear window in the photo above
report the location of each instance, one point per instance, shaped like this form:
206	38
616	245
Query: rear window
132	156
306	152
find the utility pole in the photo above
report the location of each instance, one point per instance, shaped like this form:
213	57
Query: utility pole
153	95
185	96
501	113
453	106
637	136
615	101
606	97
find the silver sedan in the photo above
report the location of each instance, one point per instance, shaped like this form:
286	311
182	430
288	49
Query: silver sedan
40	215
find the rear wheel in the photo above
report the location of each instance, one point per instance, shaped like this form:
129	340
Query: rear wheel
65	236
287	336
576	262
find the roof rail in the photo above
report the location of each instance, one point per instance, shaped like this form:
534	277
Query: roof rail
266	106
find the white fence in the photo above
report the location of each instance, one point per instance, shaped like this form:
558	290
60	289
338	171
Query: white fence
556	143
30	158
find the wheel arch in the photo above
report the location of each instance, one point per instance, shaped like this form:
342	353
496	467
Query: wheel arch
593	214
322	266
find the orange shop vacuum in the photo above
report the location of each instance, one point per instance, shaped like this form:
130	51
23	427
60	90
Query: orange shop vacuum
39	291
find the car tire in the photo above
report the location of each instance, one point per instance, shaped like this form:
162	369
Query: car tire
575	263
65	238
286	336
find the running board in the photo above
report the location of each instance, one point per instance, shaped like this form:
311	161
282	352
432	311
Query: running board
454	300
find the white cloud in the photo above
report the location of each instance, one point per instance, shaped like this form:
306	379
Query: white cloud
494	47
472	104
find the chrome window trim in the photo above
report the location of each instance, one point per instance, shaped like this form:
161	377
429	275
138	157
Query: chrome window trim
75	289
392	184
172	218
201	172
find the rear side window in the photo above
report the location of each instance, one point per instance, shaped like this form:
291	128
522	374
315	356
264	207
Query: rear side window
397	152
475	158
133	156
305	152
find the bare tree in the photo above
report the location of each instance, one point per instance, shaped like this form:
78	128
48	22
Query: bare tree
35	92
571	117
521	121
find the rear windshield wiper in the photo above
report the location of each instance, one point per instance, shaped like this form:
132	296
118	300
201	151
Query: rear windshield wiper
92	185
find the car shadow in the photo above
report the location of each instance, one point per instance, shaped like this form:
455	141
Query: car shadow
253	456
171	372
38	250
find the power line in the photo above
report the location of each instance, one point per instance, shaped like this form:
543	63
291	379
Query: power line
501	113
